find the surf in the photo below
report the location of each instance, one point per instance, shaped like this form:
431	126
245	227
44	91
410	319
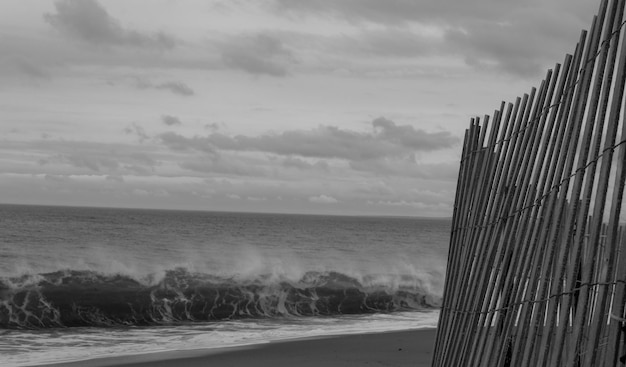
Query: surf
78	298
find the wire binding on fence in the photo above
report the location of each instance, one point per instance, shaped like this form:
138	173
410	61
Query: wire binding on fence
530	301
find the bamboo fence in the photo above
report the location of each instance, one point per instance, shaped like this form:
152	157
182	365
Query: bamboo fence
537	263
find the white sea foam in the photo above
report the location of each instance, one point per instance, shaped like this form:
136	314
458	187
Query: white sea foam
63	345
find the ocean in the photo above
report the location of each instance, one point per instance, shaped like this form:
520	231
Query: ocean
81	283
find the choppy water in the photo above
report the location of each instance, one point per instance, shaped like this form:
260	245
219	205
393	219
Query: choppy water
79	283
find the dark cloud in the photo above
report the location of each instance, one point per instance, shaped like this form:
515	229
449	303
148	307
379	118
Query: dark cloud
257	54
385	140
88	21
170	120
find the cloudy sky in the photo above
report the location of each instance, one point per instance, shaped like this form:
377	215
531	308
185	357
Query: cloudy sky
299	106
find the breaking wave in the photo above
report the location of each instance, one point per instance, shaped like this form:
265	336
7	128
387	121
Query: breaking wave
71	298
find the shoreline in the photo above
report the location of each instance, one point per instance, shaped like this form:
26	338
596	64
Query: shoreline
412	347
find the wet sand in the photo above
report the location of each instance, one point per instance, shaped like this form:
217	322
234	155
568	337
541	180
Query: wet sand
402	348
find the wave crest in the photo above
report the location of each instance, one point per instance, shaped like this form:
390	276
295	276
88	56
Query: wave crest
86	298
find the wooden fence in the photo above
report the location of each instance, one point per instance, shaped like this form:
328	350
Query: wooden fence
537	264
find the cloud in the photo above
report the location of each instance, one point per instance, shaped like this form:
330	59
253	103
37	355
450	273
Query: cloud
402	12
407	136
114	178
88	21
522	46
431	208
386	140
63	157
213	126
175	87
17	65
51	53
178	142
194	179
170	120
389	42
294	162
259	54
56	178
323	199
510	37
94	163
135	129
28	68
391	11
407	168
227	165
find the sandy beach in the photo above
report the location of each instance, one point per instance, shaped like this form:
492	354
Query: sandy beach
402	348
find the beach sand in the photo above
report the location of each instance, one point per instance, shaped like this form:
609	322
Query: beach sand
402	348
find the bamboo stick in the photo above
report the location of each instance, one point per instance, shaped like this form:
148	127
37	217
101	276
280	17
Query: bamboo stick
530	182
601	192
619	299
537	238
505	147
493	295
455	245
518	237
492	200
601	310
518	215
443	316
503	285
461	243
617	321
582	222
512	111
472	247
540	172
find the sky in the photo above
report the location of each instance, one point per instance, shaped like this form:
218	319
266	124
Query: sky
347	107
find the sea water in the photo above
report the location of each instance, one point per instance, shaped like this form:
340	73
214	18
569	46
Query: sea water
80	283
